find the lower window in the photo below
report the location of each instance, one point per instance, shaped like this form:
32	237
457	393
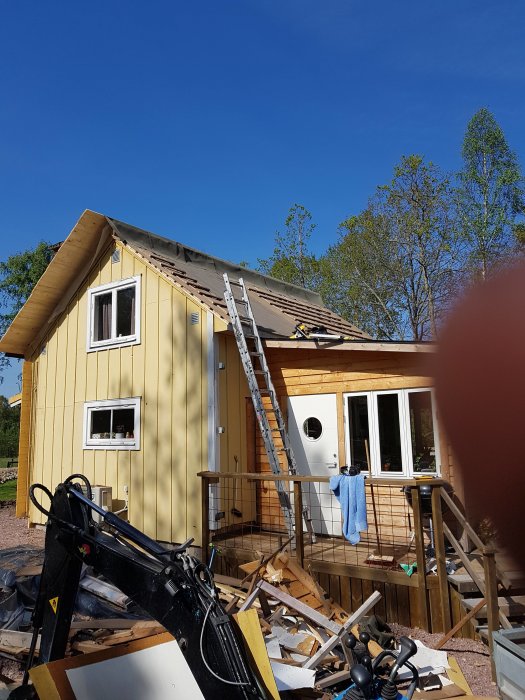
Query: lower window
112	424
392	432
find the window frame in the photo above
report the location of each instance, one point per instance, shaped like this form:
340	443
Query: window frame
405	432
133	443
114	341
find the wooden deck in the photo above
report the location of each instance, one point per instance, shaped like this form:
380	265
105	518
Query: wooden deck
248	542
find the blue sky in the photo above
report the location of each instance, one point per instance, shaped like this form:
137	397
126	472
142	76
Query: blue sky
206	121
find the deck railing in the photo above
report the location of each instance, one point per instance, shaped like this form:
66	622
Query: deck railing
241	512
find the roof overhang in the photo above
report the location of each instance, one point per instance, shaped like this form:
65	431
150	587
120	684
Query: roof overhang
50	295
347	345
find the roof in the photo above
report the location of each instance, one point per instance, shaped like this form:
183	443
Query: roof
277	306
15	400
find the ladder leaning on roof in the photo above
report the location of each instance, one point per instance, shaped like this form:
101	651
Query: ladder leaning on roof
245	331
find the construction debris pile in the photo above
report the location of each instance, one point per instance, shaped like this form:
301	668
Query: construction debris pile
302	642
311	641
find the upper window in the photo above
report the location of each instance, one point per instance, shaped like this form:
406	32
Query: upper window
114	314
112	425
395	432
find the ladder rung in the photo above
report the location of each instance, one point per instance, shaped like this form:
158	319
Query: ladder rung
256	354
260	371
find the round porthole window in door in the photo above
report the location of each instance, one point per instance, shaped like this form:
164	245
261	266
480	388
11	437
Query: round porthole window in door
312	428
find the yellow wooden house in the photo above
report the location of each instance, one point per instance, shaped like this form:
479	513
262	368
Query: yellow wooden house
131	375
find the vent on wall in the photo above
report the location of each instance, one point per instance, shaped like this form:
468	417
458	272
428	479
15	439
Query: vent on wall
195	318
115	256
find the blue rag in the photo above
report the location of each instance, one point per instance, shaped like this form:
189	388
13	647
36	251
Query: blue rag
350	492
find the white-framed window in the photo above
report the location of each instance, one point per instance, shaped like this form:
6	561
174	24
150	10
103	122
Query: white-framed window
112	425
394	431
114	314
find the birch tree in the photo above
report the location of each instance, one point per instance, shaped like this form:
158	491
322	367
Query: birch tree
490	193
398	258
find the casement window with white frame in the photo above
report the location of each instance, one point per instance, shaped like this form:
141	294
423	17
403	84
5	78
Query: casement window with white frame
112	425
394	431
114	314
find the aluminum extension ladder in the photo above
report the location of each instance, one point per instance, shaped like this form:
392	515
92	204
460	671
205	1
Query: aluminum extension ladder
245	331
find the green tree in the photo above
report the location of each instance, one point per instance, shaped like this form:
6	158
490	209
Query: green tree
18	275
292	260
392	269
357	273
9	428
490	192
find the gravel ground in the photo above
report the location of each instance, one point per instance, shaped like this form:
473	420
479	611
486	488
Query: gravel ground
473	657
14	531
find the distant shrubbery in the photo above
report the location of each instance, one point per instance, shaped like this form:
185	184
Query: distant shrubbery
9	428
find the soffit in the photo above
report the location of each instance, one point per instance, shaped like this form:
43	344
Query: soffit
50	293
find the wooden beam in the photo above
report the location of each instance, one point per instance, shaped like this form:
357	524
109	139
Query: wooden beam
420	558
293	604
367	346
367	573
491	595
441	560
461	623
24	442
298	513
345	629
205	515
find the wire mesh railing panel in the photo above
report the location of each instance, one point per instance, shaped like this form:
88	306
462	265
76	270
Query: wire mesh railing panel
245	515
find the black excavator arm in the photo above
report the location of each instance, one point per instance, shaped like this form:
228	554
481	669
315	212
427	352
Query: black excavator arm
171	585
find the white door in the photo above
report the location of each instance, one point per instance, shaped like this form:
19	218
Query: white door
312	427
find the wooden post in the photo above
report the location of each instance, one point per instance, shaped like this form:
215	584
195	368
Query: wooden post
24	442
439	546
205	515
298	512
491	596
421	562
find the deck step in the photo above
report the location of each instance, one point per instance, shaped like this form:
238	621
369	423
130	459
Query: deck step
511	606
463	583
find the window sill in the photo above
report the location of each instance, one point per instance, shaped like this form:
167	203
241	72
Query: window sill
109	344
112	445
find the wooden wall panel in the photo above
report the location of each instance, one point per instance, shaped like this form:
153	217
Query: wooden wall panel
167	370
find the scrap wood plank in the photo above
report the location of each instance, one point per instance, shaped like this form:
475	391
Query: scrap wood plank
352	620
447	691
248	622
301	575
112	623
456	675
12	639
87	646
461	623
138	631
293	604
333	678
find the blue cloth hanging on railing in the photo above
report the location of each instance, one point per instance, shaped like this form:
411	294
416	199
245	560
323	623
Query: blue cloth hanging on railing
350	492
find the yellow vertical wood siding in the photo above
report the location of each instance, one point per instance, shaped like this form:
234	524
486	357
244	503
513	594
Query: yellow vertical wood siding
167	370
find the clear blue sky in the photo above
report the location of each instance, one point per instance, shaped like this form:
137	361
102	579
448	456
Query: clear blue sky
205	121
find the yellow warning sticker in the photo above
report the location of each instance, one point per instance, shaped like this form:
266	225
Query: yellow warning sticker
53	602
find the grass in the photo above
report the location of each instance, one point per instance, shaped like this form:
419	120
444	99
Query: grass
8	490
